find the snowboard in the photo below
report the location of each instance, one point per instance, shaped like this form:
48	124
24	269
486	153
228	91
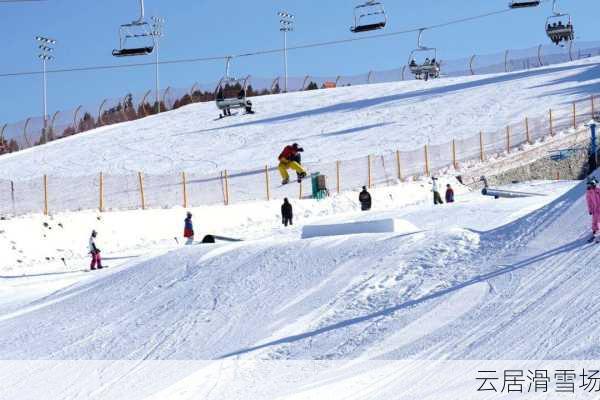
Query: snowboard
97	269
223	116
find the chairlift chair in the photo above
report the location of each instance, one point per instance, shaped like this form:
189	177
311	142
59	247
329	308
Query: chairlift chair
429	67
559	26
231	93
369	16
139	31
523	4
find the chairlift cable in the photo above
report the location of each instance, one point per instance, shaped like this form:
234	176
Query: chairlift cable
262	52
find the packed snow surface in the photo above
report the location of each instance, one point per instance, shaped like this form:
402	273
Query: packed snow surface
361	316
480	279
335	124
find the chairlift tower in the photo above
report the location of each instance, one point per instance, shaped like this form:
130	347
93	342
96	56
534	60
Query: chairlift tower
287	24
157	33
45	47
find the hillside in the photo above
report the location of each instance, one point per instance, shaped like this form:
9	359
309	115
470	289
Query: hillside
342	123
482	280
475	286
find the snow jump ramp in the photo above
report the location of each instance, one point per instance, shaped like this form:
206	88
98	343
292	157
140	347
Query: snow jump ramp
358	227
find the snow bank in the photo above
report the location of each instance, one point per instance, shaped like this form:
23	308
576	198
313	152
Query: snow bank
352	228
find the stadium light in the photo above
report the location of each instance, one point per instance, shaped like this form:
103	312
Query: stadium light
45	48
157	33
287	24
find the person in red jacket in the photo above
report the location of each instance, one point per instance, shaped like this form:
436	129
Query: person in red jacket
286	161
593	203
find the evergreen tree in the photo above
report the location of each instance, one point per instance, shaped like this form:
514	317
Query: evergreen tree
312	86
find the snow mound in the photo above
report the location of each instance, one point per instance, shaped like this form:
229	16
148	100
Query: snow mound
357	227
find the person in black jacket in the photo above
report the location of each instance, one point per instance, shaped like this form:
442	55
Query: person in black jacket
287	213
365	199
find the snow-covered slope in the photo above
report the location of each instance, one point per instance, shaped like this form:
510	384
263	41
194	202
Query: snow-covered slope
342	123
468	285
276	316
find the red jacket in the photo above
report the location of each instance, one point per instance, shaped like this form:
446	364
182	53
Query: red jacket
288	153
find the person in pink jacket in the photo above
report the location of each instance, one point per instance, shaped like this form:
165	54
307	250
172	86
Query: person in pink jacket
593	203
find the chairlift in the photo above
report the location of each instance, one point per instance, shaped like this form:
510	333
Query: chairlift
369	16
523	4
138	31
428	66
231	93
559	26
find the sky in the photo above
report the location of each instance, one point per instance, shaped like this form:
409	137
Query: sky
86	33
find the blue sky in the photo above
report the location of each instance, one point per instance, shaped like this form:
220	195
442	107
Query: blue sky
86	31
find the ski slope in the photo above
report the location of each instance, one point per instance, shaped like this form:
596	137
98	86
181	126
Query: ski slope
336	124
364	316
482	279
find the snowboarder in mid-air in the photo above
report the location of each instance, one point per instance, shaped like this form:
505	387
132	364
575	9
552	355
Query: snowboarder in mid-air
287	213
188	229
365	199
95	252
593	204
286	161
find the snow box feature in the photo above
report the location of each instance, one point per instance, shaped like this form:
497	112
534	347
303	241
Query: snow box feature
351	228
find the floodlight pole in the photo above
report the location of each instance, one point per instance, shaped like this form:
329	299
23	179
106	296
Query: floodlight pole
285	60
287	25
157	33
45	99
593	148
45	48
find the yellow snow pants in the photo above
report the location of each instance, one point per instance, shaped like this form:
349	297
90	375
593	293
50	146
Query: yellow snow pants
285	164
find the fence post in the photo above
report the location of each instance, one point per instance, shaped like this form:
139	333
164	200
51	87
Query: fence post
223	188
551	127
481	147
399	165
267	182
574	116
185	194
46	195
226	188
527	130
508	138
454	164
142	197
426	160
369	170
300	189
337	172
12	197
101	205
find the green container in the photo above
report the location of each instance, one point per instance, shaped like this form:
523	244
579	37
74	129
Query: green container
318	193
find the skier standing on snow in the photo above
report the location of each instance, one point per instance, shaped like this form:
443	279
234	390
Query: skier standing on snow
593	203
287	213
286	161
95	252
437	199
188	229
449	194
365	199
